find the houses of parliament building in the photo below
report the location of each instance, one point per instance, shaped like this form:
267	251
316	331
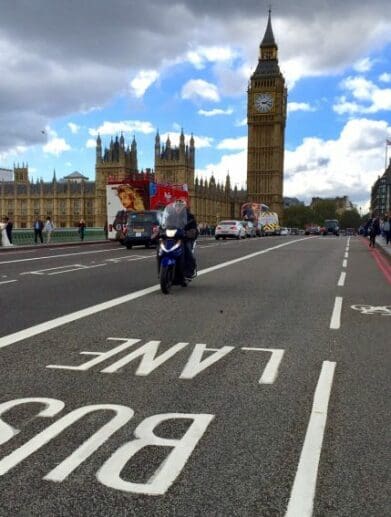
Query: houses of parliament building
74	197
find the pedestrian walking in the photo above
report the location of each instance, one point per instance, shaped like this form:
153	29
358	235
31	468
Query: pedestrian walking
3	234
38	227
387	229
374	230
8	228
82	229
48	228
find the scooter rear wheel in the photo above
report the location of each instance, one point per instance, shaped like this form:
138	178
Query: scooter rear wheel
166	278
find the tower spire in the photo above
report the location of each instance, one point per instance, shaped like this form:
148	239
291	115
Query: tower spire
268	47
268	38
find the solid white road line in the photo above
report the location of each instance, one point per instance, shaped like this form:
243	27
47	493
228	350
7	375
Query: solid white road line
341	281
301	501
60	256
83	313
7	282
335	322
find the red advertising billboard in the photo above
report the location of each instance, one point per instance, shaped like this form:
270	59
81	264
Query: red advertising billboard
137	196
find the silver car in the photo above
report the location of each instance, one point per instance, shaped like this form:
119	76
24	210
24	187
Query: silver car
231	229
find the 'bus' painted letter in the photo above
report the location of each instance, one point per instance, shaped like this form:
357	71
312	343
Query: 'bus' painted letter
167	472
52	408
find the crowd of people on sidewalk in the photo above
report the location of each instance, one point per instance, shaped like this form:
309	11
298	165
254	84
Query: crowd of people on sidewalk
376	226
40	229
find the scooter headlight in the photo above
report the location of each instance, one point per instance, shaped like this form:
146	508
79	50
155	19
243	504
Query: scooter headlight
170	233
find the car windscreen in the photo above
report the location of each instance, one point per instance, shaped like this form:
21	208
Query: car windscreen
145	217
228	222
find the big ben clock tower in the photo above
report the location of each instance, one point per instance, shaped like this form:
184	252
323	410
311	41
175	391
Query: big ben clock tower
266	117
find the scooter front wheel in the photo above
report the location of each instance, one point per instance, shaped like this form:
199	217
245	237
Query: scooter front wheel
166	278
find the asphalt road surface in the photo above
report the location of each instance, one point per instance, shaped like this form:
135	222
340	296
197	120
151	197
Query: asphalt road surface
261	389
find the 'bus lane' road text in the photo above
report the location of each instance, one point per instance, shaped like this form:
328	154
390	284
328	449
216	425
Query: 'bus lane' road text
150	360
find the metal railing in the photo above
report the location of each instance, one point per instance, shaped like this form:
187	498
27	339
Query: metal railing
25	237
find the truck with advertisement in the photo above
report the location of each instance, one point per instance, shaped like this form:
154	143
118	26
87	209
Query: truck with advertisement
265	221
137	197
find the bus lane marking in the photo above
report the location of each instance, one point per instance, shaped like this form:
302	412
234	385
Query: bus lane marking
302	496
109	474
150	359
94	309
271	371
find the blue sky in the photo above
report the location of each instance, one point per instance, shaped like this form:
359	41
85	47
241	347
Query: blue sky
73	69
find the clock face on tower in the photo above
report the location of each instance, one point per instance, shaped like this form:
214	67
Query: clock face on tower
263	102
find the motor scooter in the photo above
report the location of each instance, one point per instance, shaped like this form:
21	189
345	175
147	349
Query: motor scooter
170	249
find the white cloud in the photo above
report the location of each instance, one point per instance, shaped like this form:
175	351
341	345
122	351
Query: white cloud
73	127
91	143
199	56
299	106
363	65
346	166
241	123
385	78
200	89
56	146
233	164
367	97
125	126
143	80
215	112
233	144
12	153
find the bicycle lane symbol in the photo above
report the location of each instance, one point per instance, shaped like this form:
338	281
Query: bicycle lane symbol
382	310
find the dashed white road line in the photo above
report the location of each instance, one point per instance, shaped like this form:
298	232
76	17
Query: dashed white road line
301	501
341	281
344	263
346	254
335	322
7	282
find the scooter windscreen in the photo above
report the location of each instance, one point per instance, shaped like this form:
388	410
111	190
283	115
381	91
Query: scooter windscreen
174	216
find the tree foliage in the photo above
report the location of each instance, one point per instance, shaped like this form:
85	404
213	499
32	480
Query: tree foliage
350	219
297	216
324	209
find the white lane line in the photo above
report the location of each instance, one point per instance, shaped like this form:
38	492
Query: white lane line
61	256
344	263
75	269
83	313
7	282
335	322
341	281
346	255
301	501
